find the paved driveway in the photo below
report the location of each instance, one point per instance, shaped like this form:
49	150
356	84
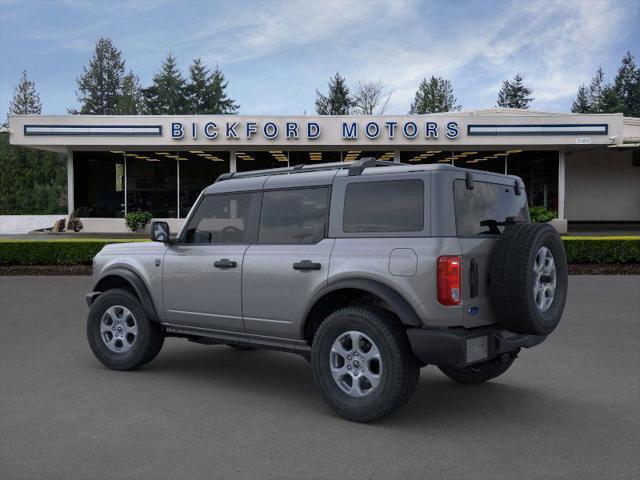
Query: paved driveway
567	409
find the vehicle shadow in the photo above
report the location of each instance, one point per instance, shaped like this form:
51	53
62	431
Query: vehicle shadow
438	402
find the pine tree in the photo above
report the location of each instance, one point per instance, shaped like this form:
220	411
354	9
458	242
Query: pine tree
218	100
338	101
514	94
581	104
596	91
99	86
167	95
130	101
627	86
196	89
25	99
206	92
433	96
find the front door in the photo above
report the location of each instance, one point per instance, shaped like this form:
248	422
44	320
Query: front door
289	263
202	273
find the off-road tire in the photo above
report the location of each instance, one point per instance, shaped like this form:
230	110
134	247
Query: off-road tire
149	339
400	370
512	278
480	372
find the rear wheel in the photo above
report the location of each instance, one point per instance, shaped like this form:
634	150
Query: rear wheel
480	372
119	332
363	364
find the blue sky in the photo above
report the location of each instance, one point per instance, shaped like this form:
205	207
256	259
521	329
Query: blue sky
275	54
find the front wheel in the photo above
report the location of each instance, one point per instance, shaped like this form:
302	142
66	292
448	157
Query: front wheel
480	372
363	364
119	332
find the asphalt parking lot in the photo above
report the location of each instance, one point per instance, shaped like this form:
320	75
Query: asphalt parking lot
569	408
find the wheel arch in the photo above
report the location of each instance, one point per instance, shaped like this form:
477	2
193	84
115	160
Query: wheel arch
346	292
124	278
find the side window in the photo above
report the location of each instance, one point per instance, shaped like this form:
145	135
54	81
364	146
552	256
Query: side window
295	216
384	206
228	218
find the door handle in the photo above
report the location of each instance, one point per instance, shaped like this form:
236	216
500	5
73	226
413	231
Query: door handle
306	265
225	263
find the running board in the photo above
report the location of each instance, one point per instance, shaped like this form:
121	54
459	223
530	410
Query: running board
199	335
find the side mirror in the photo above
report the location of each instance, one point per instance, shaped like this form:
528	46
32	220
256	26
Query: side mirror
160	232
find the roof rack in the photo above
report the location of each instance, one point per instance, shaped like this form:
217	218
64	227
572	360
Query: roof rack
355	168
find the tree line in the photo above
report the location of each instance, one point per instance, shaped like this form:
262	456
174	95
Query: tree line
33	181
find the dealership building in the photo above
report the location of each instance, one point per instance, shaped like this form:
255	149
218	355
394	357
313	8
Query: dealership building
585	167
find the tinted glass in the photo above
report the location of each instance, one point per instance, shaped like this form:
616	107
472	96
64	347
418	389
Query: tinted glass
487	201
392	206
223	219
294	216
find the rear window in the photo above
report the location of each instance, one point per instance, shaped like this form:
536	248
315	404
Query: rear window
389	206
487	201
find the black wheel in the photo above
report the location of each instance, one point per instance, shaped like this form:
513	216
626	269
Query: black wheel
119	332
529	278
480	372
242	348
363	364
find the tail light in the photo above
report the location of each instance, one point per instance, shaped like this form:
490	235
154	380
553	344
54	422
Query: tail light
449	280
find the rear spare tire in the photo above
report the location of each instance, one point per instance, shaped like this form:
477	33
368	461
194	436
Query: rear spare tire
528	278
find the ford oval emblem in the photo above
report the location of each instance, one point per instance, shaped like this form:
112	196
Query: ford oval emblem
473	310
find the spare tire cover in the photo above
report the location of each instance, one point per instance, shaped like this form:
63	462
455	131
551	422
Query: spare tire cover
528	278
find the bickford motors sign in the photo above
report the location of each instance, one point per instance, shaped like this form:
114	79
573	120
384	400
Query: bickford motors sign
295	130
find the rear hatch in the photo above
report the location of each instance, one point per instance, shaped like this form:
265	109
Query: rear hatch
482	206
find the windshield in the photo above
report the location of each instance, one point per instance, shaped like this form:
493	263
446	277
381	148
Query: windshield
478	210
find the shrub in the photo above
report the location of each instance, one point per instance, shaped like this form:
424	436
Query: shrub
602	249
74	223
541	214
137	220
52	252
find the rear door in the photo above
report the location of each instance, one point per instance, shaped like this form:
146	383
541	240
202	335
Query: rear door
488	201
289	262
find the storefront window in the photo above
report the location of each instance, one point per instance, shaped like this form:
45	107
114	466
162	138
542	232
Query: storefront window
198	170
152	184
539	171
259	160
311	157
99	184
355	154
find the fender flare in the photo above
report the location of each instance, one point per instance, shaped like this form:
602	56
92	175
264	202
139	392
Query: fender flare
136	283
399	305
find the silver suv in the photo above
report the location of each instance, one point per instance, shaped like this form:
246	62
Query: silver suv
370	270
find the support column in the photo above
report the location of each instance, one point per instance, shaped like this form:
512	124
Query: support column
561	183
232	161
177	188
396	156
560	223
71	204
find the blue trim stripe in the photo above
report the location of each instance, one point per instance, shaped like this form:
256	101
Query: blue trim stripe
533	129
93	130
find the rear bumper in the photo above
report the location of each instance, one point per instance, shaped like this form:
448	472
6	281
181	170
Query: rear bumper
460	347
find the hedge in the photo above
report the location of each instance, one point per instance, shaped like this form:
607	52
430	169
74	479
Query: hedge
73	251
79	251
600	250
